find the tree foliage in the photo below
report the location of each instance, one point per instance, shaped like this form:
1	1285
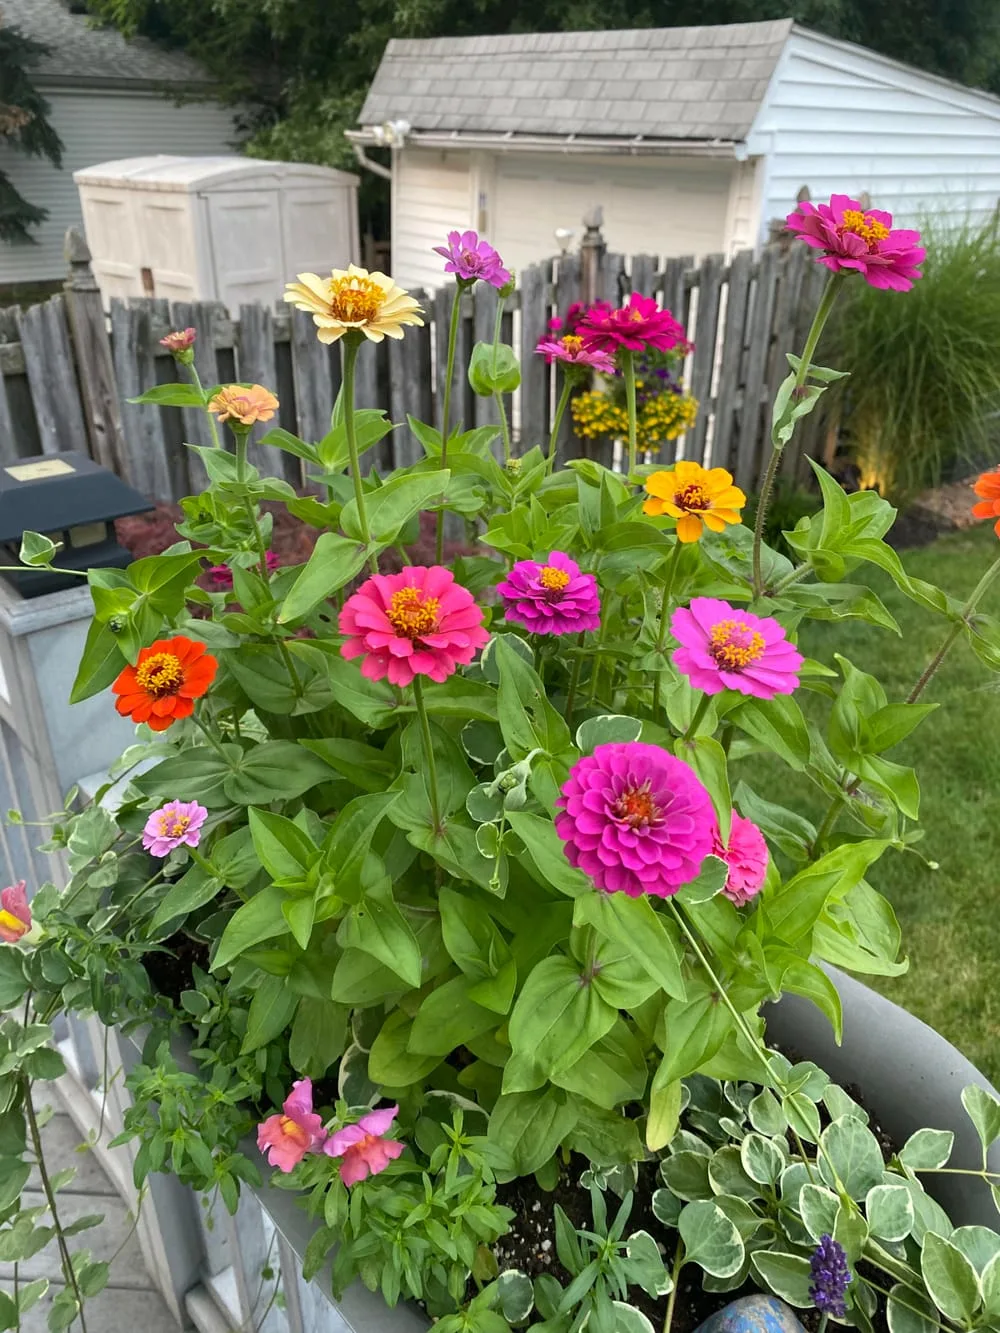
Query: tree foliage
24	126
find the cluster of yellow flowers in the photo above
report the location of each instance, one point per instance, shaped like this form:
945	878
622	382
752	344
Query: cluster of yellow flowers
661	418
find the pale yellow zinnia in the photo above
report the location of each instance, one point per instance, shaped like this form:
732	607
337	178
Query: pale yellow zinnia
353	298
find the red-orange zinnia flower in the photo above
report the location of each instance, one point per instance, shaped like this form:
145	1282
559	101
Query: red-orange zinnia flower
164	683
988	486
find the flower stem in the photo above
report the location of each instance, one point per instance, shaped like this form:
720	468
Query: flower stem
675	1275
930	670
351	348
456	315
213	427
699	713
210	736
498	397
830	293
425	731
628	370
829	819
574	681
668	588
567	389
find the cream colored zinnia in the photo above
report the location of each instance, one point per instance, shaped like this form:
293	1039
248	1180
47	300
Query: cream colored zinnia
353	298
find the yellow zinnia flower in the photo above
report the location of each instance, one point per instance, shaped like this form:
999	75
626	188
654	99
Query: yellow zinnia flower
694	496
353	298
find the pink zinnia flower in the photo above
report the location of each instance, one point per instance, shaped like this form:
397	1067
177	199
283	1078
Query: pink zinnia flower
635	819
298	1130
363	1146
419	622
554	598
726	648
571	350
176	824
15	914
746	857
471	259
179	344
640	323
856	239
221	576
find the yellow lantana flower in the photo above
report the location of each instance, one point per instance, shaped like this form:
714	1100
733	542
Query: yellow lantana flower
353	298
694	496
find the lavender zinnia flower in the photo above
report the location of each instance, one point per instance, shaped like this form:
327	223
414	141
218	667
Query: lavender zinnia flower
472	260
554	598
635	819
830	1277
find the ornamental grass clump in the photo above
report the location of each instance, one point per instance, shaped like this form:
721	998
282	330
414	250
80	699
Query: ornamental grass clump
474	871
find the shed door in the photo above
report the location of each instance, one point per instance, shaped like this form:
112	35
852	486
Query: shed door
245	237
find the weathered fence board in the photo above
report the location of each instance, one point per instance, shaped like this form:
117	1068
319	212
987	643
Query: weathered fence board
93	353
316	375
410	388
257	362
48	363
147	466
705	350
535	315
758	342
733	359
199	315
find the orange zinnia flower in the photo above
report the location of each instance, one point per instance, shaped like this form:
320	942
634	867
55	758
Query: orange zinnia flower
245	406
162	686
988	486
694	496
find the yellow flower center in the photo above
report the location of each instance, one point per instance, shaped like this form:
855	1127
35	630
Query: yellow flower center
355	300
572	342
864	225
636	807
693	498
552	579
411	614
174	826
291	1129
159	675
734	644
635	314
12	922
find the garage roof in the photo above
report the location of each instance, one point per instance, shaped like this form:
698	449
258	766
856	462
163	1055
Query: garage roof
669	83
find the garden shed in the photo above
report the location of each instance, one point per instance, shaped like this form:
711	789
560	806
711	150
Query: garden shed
692	139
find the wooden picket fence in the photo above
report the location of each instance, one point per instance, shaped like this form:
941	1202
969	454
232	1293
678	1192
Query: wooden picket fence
67	370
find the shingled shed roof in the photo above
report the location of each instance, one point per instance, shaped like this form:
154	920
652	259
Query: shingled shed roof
660	83
80	52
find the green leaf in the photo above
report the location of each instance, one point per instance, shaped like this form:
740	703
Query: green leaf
787	1275
983	1110
394	504
530	1126
927	1149
645	1266
193	890
558	1015
172	395
282	848
664	1114
804	978
363	765
493	369
889	1210
101	663
350	839
907	1312
448	1018
391	1063
819	1207
990	1283
611	1073
762	1160
793	909
527	719
377	927
708	759
776	724
710	1239
318	1037
259	919
516	1295
686	1174
609	728
275	770
199	769
694	1031
633	923
950	1278
36	549
790	832
334	561
13	983
850	1157
547	855
270	1013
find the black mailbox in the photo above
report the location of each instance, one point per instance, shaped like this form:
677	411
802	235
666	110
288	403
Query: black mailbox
72	500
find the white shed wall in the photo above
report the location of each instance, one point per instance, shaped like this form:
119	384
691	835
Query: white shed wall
96	126
843	120
432	194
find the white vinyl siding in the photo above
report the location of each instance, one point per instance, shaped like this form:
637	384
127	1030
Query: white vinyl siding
432	195
840	119
99	126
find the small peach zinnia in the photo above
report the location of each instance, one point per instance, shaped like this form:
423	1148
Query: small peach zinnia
244	404
165	681
353	298
694	496
988	487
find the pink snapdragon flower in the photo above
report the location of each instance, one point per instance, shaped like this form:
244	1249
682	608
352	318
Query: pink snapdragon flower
176	824
574	352
554	598
638	324
15	914
635	819
860	240
287	1137
724	647
419	622
365	1149
746	856
472	260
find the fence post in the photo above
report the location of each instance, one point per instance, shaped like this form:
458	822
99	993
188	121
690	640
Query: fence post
592	251
94	362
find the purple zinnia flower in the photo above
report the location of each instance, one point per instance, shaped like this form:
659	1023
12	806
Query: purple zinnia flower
635	819
830	1277
175	824
554	598
472	260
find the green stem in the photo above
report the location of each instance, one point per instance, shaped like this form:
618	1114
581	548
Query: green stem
210	736
675	1274
352	346
574	681
829	819
212	425
800	572
449	374
661	635
699	713
915	1309
498	397
822	314
425	731
628	370
930	670
824	1320
567	389
50	1198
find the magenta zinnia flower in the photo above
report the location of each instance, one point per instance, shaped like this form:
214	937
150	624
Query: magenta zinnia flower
221	576
15	914
298	1130
571	350
176	824
856	239
746	857
363	1146
554	598
640	323
635	819
472	260
419	622
726	648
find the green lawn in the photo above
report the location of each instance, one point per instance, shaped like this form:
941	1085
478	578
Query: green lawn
950	917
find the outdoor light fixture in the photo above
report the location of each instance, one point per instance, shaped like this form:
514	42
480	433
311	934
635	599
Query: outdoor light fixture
74	502
564	235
